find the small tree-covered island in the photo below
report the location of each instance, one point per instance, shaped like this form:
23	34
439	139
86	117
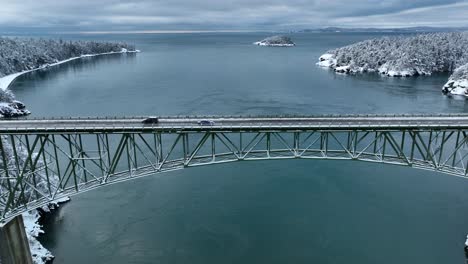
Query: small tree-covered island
405	56
276	41
21	55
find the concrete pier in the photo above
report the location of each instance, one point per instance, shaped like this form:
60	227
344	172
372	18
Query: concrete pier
14	245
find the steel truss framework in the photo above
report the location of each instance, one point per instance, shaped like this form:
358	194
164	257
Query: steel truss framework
40	168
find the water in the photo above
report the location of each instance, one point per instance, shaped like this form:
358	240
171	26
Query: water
253	212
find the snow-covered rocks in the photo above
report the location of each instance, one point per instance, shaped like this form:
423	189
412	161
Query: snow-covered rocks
458	82
276	41
13	109
39	253
33	228
327	60
343	69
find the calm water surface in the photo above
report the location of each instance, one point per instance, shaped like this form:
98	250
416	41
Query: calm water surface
253	212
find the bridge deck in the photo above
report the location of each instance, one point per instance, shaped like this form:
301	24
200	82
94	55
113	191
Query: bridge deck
171	124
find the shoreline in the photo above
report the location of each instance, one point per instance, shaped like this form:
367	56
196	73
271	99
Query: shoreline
8	80
34	229
32	218
454	86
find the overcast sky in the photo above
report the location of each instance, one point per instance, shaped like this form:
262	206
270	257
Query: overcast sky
115	15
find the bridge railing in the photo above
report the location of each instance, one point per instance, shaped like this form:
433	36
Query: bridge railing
384	115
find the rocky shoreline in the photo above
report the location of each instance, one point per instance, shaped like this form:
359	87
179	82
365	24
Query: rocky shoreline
32	224
458	82
39	54
418	55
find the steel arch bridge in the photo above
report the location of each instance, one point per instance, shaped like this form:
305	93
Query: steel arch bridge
44	160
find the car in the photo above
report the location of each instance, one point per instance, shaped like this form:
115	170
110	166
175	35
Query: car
151	120
206	123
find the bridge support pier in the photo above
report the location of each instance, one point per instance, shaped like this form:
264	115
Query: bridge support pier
14	245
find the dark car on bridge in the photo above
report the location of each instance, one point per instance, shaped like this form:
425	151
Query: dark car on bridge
151	120
206	123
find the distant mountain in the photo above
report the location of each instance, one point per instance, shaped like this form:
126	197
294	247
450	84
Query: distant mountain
385	30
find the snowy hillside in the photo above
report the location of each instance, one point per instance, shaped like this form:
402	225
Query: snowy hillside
401	56
19	55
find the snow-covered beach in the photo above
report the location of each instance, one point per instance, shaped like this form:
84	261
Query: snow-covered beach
7	80
423	54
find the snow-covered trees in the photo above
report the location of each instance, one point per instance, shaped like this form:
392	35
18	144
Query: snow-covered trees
276	41
405	56
24	54
21	54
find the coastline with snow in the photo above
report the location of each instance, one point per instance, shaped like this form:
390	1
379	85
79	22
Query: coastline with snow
458	82
31	220
40	55
7	80
15	108
419	55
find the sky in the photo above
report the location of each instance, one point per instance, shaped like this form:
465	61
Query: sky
193	15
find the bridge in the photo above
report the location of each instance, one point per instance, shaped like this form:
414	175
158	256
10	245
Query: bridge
43	160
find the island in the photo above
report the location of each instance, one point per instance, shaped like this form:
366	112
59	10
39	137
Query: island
406	56
276	41
21	55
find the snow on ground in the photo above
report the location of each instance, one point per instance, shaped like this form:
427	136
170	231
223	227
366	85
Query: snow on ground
7	80
9	107
402	56
13	110
31	219
327	60
458	82
39	54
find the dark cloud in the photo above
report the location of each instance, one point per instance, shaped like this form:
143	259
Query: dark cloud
107	15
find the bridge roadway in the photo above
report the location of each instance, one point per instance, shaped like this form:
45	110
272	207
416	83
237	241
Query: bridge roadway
229	123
